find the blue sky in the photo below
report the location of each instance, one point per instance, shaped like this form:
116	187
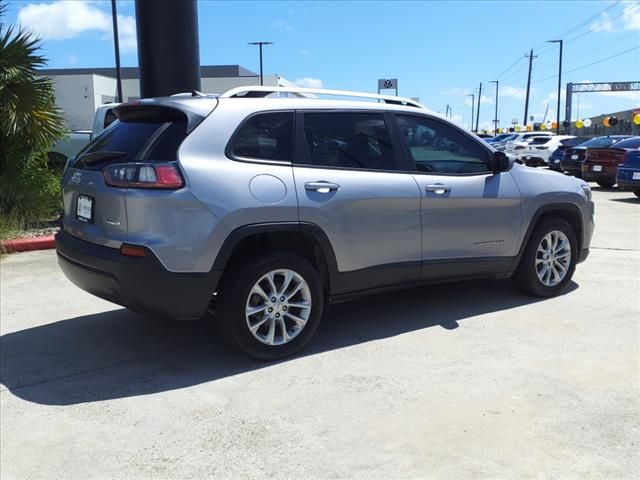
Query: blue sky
439	51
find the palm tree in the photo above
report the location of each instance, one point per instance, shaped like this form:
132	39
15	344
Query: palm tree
28	119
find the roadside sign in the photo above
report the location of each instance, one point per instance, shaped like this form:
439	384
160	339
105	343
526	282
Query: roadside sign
387	83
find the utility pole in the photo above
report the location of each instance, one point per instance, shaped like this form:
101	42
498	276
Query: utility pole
473	103
116	44
495	119
478	111
448	111
559	84
526	102
260	44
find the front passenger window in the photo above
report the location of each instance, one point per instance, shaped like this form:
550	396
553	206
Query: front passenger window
436	147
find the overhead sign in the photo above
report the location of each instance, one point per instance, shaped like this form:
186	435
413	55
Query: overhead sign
387	83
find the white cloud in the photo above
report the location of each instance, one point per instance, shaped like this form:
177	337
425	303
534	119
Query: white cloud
309	82
282	25
631	17
304	51
63	20
484	100
514	92
602	24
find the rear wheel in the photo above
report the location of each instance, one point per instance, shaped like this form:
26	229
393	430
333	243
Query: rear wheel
636	193
549	259
271	305
606	183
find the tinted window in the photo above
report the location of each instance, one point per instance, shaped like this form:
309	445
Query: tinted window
440	148
109	118
134	142
265	136
572	142
539	140
630	143
349	140
601	142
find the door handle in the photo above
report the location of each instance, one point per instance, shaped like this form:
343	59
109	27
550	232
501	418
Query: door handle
438	188
321	187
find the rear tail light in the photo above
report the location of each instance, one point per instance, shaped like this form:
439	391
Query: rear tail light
519	147
143	175
132	251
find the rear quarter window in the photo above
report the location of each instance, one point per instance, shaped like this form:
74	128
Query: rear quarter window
264	136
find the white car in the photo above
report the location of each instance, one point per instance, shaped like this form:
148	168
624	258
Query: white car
509	147
536	152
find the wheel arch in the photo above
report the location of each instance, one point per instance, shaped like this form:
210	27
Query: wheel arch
305	239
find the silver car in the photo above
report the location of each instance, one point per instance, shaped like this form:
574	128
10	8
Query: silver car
264	204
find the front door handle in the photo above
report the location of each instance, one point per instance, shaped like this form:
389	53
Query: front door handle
438	188
321	187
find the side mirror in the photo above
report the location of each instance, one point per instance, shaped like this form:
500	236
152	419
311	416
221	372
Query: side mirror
501	162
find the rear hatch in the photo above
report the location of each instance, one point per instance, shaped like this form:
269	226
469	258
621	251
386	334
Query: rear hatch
138	153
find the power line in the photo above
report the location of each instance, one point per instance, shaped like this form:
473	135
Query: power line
603	24
590	64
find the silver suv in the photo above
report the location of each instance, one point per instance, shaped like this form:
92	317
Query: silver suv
266	204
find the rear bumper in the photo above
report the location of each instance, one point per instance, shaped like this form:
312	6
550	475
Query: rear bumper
140	284
589	176
625	180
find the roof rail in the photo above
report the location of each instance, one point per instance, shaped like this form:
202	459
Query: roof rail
260	92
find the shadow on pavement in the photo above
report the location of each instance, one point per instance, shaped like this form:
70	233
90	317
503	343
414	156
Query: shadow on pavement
119	354
631	199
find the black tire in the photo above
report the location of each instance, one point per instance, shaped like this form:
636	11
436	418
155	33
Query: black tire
234	294
606	183
636	193
526	278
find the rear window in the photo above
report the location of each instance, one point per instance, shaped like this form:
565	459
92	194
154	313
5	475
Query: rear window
540	140
573	142
126	142
601	142
630	143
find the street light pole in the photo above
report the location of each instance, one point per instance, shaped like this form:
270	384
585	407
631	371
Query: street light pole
116	44
559	84
495	118
473	102
478	111
260	44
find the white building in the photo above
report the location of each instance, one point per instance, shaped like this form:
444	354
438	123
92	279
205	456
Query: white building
79	91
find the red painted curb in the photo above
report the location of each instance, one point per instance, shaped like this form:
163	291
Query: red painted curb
28	244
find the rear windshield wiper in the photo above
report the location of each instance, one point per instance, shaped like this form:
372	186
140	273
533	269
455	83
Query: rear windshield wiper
97	157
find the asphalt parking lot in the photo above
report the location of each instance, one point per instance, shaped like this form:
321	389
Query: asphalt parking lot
468	380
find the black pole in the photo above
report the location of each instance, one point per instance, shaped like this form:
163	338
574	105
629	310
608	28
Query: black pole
559	89
526	102
473	104
260	44
168	47
478	111
495	119
116	44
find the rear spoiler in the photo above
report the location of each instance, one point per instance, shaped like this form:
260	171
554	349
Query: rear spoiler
167	110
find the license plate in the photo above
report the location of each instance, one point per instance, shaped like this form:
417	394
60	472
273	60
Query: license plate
635	176
84	208
574	157
556	161
527	157
597	168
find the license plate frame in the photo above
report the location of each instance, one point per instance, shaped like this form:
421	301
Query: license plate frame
84	208
596	168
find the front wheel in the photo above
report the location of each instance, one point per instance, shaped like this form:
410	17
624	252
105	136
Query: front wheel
271	305
549	259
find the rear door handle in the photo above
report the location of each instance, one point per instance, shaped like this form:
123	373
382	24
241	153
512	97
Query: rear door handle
438	188
321	187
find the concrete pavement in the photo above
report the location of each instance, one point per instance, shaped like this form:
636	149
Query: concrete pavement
469	380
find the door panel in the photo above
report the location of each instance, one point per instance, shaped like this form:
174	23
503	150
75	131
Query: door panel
472	216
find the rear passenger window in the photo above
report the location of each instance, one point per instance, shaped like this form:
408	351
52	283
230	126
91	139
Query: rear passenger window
265	136
349	140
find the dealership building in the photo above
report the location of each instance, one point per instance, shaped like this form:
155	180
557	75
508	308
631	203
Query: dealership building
80	91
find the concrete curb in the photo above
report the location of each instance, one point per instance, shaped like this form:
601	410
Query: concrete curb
28	244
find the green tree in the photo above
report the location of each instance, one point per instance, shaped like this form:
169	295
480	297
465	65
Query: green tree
29	125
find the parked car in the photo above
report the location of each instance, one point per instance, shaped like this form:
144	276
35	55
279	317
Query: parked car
510	145
67	147
194	203
573	157
498	138
500	144
628	177
556	156
601	164
536	152
103	117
